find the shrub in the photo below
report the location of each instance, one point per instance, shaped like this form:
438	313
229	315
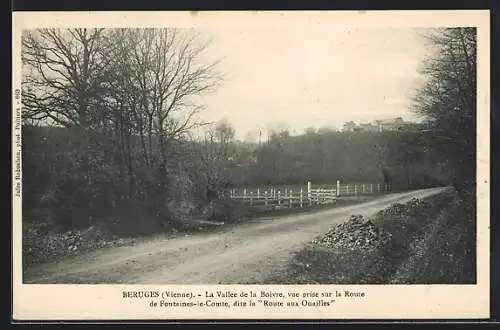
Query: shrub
73	179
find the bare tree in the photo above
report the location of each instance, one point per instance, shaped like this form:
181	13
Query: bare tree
140	87
211	163
224	134
64	72
163	76
448	99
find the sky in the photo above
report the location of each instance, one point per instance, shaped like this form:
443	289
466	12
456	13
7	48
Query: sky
295	78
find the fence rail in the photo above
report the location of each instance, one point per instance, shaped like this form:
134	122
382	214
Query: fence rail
307	195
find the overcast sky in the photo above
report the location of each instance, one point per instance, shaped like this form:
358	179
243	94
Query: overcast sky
298	78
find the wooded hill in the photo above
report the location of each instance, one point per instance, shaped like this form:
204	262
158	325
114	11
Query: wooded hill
75	177
398	158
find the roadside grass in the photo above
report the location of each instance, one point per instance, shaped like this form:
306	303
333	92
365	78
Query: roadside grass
447	253
431	244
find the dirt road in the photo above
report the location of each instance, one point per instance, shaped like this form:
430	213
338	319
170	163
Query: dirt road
242	254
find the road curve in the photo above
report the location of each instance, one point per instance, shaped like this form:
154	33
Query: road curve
239	255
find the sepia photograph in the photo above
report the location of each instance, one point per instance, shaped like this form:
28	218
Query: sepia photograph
248	155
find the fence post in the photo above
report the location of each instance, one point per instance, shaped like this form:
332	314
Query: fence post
258	193
378	187
355	190
371	188
265	197
244	194
309	190
338	188
301	197
347	189
363	188
279	197
290	197
251	198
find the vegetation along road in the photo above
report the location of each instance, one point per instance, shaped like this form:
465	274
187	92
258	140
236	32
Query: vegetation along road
242	254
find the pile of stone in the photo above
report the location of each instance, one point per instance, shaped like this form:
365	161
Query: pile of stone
356	233
413	207
44	245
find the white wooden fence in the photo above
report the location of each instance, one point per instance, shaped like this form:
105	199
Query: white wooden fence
304	196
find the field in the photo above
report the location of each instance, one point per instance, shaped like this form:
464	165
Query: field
297	196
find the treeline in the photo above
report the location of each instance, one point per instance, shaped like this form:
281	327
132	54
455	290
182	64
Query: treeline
448	100
76	178
399	159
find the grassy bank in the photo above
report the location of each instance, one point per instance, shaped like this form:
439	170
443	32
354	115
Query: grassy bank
426	242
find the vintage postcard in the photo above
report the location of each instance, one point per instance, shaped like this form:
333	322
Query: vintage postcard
250	165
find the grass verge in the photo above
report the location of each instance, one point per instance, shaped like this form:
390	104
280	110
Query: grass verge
433	243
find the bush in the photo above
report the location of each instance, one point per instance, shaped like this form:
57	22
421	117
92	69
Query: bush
73	179
68	174
225	210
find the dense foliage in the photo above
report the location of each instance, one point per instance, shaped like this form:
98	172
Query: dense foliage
447	98
399	158
74	178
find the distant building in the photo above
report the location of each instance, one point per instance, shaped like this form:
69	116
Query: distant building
349	126
393	124
368	127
